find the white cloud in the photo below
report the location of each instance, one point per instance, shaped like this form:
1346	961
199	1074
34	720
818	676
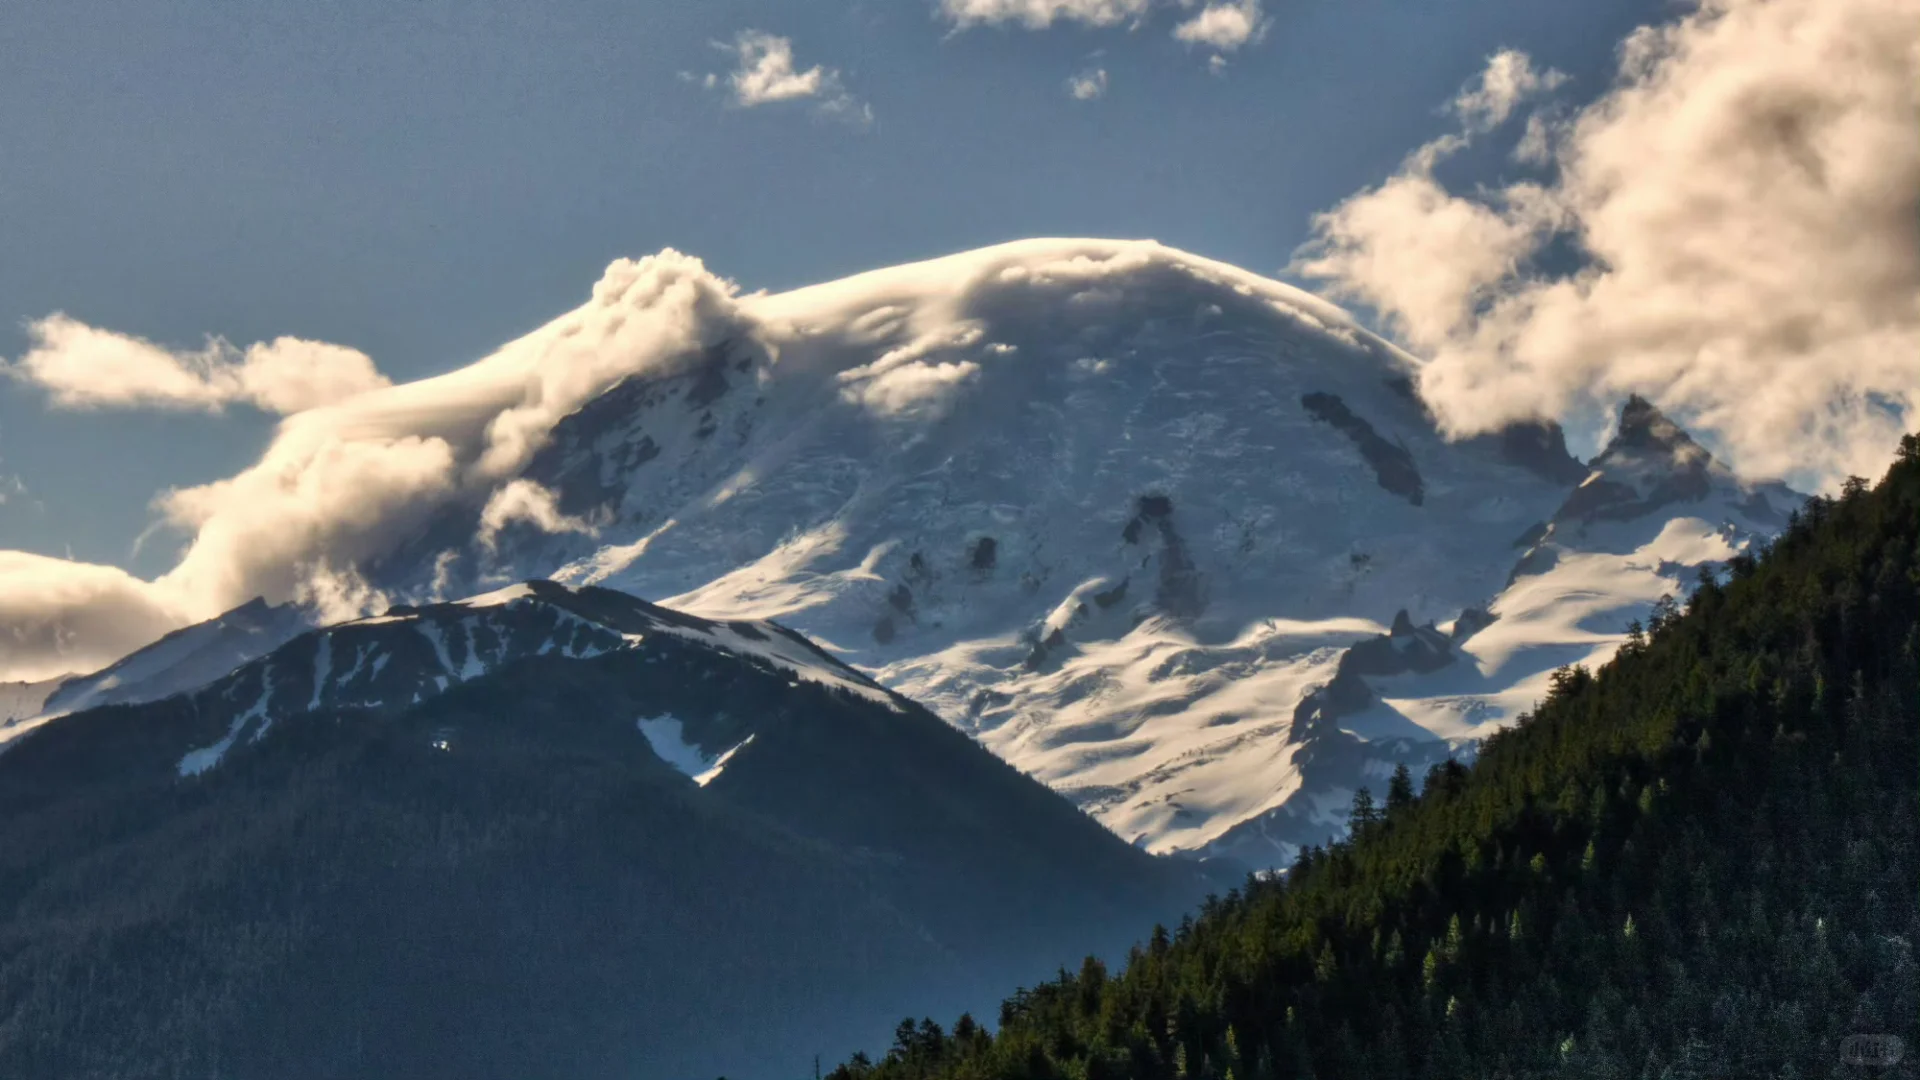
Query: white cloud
340	486
82	367
1040	14
1747	199
919	378
59	617
526	502
1508	79
1537	142
1224	26
345	484
1088	85
766	75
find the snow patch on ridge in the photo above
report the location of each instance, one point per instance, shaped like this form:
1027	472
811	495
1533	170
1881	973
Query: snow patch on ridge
199	761
667	736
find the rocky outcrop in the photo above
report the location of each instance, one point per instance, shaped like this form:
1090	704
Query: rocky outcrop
1181	591
1649	463
1404	649
1392	464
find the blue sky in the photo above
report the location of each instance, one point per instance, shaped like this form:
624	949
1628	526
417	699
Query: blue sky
424	181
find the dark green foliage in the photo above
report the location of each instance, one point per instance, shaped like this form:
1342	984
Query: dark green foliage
1699	861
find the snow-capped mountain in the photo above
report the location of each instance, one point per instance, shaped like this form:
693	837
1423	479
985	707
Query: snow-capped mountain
1117	511
1652	512
544	830
25	700
411	654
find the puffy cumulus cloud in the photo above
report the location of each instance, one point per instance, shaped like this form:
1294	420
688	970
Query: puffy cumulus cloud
1224	27
1746	196
1040	14
289	375
1425	259
1089	85
290	527
1428	261
523	501
84	367
344	485
59	617
766	74
339	487
644	315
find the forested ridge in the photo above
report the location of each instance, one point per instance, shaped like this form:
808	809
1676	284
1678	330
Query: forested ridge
1698	861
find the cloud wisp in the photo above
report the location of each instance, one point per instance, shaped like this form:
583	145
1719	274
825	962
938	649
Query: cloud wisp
766	73
1220	26
1089	85
83	367
1041	14
1744	203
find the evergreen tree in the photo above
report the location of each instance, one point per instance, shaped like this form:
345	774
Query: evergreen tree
1702	859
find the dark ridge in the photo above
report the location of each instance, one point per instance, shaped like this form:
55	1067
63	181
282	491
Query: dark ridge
1392	464
1155	506
1644	433
1471	621
1541	447
1535	533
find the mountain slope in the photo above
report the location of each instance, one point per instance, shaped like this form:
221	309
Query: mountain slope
1699	861
183	660
1118	511
1112	508
544	831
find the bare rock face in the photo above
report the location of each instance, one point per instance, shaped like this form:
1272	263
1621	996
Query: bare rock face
1392	463
1649	463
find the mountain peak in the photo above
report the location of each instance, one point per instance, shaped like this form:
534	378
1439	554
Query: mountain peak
1643	427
